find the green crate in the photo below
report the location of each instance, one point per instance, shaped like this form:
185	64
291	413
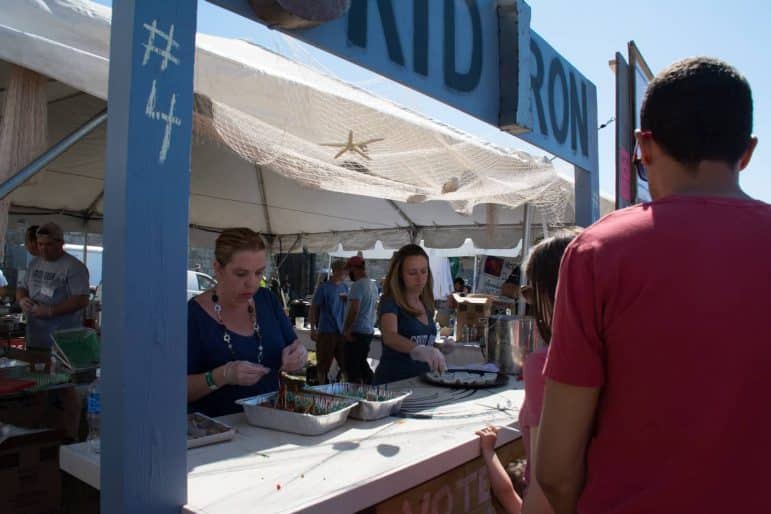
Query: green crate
80	345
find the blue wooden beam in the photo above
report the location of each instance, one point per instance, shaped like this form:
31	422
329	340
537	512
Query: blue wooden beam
147	170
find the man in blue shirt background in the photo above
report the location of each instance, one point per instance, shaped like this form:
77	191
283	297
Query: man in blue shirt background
326	319
359	324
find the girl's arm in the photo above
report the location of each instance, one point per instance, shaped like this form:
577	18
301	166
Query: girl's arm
500	483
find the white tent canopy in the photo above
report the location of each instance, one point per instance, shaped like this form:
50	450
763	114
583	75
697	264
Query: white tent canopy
467	249
259	159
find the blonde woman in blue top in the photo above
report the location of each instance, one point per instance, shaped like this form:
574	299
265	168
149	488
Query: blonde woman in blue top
407	319
239	338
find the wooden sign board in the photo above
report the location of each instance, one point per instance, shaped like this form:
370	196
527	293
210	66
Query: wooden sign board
463	490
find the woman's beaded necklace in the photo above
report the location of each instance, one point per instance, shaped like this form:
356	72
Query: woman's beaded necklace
226	336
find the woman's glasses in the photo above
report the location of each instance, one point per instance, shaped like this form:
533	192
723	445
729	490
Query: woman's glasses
637	162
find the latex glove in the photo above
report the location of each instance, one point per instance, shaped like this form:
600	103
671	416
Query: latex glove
430	356
294	357
487	438
244	373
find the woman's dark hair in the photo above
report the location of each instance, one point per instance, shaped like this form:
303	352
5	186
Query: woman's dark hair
393	286
459	280
542	271
699	109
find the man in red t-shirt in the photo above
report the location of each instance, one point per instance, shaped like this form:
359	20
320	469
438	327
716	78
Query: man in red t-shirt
658	390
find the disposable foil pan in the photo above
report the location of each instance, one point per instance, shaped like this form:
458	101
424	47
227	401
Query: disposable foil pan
12	368
304	424
366	410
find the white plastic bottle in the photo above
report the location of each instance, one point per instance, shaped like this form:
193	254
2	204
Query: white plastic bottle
93	410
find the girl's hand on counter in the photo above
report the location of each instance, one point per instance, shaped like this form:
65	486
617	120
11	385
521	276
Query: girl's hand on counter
294	356
244	373
487	438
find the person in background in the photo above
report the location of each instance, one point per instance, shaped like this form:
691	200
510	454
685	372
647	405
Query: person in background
30	240
359	326
656	387
326	320
542	271
458	287
510	288
54	290
407	319
238	337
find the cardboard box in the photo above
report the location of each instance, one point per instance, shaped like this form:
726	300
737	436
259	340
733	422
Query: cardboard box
470	308
29	472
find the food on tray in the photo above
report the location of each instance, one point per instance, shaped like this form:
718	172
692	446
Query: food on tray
202	430
360	392
463	378
304	403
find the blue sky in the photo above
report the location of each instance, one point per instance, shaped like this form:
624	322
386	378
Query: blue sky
588	34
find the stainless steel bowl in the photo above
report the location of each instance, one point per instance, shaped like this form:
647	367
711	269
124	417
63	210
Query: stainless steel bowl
510	340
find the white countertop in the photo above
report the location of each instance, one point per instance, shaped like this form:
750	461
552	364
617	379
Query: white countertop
348	469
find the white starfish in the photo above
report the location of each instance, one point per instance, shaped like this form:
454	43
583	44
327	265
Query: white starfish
350	146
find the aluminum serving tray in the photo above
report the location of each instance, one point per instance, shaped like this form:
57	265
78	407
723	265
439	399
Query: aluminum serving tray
12	368
286	421
366	410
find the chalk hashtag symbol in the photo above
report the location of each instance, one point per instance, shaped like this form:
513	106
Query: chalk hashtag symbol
165	51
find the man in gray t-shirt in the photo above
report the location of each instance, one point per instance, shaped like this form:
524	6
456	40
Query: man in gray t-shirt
54	290
359	325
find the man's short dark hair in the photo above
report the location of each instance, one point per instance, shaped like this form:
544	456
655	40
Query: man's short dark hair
31	234
699	109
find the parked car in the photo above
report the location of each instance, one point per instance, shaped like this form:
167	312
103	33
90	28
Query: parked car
197	283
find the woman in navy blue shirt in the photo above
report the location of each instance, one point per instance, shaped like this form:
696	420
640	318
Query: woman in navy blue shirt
407	319
239	338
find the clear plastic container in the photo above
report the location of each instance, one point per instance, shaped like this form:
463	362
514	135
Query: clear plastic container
93	411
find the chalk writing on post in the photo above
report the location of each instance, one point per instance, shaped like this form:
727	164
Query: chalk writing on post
164	52
169	118
164	49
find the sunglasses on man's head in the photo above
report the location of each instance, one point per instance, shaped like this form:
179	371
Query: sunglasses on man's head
637	163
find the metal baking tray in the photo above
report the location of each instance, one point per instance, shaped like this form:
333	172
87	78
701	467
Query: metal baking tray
366	410
203	430
501	380
12	368
265	416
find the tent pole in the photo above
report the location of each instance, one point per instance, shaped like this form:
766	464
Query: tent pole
21	176
263	198
544	226
525	251
476	266
85	243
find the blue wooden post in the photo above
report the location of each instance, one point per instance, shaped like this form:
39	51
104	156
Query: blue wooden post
147	169
587	195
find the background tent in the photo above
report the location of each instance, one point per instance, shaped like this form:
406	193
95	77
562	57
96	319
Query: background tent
262	158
